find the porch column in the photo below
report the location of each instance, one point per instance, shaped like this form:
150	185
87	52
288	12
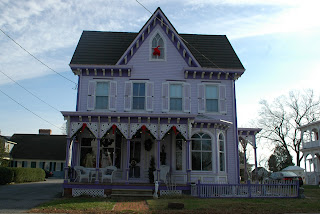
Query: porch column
128	160
255	157
245	164
305	167
188	162
66	168
97	161
158	159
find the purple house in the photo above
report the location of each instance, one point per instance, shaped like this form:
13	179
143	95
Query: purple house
159	97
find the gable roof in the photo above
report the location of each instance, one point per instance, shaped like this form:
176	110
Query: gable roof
106	48
39	147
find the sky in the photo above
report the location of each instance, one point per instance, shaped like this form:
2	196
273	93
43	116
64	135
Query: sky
276	40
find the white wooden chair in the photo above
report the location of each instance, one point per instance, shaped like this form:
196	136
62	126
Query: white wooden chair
82	173
108	173
164	171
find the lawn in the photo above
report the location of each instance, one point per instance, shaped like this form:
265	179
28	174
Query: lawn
310	204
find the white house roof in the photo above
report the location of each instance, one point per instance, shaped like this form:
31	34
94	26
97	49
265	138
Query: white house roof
293	168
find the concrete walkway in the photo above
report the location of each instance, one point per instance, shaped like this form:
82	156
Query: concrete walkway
19	198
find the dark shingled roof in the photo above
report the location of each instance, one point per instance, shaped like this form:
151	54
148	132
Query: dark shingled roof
39	147
106	48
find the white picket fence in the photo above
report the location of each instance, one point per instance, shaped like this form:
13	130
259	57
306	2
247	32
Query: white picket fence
285	189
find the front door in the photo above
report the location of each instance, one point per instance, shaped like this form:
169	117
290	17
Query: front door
135	159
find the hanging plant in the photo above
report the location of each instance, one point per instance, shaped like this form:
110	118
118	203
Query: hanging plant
148	145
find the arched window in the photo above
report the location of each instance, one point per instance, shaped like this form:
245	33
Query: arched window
201	152
157	48
222	153
314	135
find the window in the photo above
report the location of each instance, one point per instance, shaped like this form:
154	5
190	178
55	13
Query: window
33	164
175	97
138	95
221	152
52	166
102	95
157	45
24	164
61	166
179	141
201	152
138	98
42	165
212	98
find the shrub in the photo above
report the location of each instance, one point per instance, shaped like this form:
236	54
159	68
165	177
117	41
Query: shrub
22	175
6	175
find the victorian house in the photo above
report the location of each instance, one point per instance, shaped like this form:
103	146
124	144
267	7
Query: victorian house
155	97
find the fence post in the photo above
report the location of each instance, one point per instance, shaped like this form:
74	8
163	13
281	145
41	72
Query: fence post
199	188
249	188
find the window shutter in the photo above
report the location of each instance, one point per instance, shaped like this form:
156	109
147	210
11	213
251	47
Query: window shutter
222	99
165	97
127	96
112	95
91	95
149	97
187	97
201	98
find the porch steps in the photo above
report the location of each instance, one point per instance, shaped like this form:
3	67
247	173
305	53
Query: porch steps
138	193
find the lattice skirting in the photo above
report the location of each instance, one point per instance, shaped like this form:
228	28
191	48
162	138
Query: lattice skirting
90	192
170	192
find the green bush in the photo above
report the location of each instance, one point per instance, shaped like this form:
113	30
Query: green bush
22	175
6	175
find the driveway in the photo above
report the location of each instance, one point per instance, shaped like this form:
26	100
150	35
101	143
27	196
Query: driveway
19	198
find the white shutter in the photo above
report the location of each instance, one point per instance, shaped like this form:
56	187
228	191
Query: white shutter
222	99
112	95
91	95
149	97
201	98
127	96
165	97
187	97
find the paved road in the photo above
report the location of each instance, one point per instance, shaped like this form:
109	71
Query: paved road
19	198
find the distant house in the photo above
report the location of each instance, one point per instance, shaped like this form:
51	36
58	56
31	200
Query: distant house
7	145
311	151
41	150
260	173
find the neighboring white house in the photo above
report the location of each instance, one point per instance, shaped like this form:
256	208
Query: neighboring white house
311	151
297	170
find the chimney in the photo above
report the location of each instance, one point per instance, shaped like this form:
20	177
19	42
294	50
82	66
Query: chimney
45	131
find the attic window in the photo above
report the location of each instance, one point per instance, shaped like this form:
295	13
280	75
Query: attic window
157	48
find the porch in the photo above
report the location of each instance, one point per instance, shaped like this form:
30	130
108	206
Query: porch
137	146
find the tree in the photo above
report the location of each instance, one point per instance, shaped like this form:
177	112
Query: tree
280	120
280	159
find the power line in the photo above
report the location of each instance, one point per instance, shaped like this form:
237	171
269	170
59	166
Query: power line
29	91
183	39
37	58
30	110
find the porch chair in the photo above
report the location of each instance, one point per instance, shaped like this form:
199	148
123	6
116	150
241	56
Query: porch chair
164	172
82	173
108	173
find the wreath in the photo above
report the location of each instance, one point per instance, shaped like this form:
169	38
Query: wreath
148	145
133	162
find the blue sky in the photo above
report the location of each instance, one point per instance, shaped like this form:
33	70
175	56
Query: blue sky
276	40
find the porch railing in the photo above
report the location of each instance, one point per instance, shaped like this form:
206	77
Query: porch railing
285	189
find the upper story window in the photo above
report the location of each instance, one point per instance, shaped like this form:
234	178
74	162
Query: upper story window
157	47
102	95
222	152
212	98
138	95
201	152
176	97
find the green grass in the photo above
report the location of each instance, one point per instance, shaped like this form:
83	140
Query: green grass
311	204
